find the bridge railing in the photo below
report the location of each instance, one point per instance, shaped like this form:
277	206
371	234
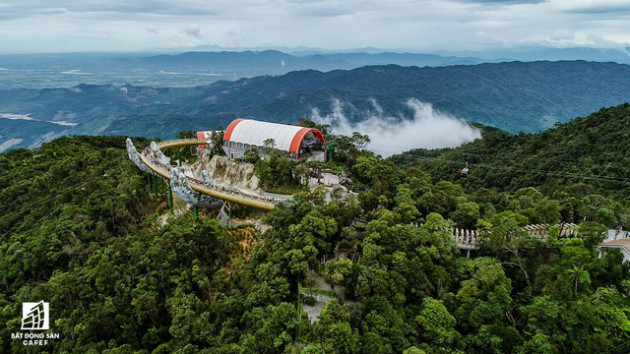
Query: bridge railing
466	238
180	142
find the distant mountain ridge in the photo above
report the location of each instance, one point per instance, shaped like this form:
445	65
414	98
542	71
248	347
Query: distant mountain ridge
537	53
277	62
270	61
189	69
207	64
512	96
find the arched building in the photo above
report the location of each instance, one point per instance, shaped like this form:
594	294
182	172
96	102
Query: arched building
298	143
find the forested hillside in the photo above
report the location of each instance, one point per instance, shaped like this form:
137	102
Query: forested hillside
584	164
512	96
81	229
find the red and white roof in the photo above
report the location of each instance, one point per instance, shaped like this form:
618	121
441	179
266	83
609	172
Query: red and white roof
207	135
254	132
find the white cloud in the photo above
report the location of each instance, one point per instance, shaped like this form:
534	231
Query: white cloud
192	30
91	25
389	135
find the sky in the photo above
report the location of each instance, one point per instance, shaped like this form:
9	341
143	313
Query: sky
43	26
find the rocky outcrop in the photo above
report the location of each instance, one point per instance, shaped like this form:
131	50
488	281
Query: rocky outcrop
225	172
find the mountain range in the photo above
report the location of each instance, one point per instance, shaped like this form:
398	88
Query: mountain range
512	96
189	69
277	62
198	66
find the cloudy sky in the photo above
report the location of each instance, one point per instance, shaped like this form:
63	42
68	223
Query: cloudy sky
30	26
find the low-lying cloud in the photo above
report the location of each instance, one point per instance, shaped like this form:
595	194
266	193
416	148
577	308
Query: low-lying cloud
389	135
192	30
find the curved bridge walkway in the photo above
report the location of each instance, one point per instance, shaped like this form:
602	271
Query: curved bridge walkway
227	194
465	239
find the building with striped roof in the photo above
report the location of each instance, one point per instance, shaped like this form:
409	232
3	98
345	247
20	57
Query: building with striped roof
298	143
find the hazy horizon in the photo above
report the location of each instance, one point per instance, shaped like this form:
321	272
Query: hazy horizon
495	54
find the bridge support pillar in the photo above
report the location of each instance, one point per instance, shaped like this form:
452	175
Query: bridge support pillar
468	253
196	212
155	191
229	207
170	199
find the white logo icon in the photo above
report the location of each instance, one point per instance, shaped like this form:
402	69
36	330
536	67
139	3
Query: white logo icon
35	316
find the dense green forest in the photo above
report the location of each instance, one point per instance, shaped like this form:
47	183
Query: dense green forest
583	165
81	229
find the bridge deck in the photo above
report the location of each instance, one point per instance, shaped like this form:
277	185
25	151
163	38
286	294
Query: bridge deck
165	173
